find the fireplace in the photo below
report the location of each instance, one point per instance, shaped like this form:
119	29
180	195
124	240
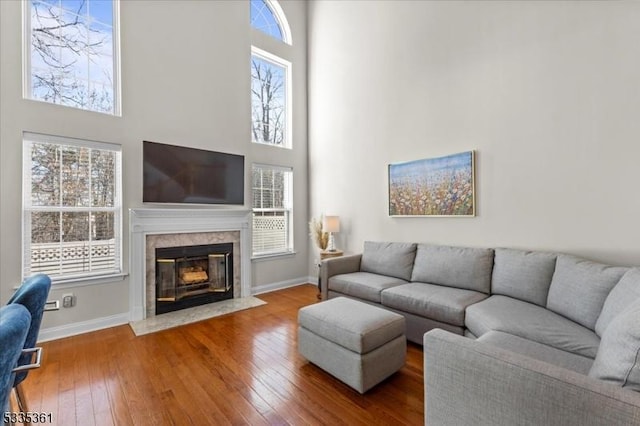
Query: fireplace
153	228
193	275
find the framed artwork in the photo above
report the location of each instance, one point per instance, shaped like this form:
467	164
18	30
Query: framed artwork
435	187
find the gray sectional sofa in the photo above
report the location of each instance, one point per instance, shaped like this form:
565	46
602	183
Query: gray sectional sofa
550	338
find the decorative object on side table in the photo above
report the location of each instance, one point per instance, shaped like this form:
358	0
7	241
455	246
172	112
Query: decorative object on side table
331	224
319	237
321	231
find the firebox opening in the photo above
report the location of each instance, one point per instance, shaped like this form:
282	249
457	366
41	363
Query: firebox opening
193	275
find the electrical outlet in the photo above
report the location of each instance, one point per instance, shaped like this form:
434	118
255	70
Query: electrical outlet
68	300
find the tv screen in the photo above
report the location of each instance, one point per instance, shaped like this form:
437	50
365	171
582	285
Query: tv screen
177	174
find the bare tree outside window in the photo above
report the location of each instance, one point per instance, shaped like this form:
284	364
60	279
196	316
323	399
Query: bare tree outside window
271	115
268	105
72	209
72	53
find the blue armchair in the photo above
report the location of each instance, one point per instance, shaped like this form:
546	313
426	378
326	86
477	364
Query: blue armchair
14	325
32	294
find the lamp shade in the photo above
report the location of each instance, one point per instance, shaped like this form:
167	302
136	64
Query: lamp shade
331	224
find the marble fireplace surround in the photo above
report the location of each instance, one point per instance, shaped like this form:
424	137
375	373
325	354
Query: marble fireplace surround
151	228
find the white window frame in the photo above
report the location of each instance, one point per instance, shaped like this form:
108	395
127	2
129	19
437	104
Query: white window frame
282	47
288	120
95	277
281	19
26	61
287	209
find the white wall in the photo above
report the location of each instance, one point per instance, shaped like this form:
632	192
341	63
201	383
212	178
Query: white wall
547	93
185	80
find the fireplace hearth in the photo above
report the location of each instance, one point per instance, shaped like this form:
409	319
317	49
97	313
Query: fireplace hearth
190	276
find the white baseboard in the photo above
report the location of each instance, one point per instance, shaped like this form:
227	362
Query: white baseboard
281	285
53	333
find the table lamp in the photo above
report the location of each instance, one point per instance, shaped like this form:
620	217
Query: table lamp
331	224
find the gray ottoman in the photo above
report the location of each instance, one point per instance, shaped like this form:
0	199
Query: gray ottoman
358	343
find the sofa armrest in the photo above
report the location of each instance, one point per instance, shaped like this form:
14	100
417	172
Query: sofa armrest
473	383
335	266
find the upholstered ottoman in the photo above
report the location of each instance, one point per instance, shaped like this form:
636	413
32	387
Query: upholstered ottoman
359	344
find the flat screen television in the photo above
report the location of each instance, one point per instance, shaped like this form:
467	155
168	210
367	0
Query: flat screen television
178	174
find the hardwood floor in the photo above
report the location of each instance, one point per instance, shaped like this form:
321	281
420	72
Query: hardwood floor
241	368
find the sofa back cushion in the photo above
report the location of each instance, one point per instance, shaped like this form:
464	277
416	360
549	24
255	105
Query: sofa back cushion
391	259
623	295
462	267
523	275
579	288
617	360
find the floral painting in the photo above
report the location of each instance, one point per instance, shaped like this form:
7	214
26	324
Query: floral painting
442	186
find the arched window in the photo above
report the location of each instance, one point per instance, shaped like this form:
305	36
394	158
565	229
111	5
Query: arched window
271	124
270	76
267	16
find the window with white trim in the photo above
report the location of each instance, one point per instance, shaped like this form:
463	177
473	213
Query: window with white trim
72	208
71	53
267	16
270	99
272	189
271	124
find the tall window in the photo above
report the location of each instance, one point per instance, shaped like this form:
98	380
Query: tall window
271	118
272	209
72	211
72	55
270	99
270	78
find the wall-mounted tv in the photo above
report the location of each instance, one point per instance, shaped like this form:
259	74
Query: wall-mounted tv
177	174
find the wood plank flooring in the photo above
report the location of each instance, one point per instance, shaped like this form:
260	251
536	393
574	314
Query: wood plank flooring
241	368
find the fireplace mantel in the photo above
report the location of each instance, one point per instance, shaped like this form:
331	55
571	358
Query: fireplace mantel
148	221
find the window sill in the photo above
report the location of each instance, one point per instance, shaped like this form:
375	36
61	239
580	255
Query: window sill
273	145
273	256
61	283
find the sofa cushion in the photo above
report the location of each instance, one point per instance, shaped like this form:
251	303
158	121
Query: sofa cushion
578	363
618	359
524	275
363	285
461	267
579	288
623	295
436	302
533	322
391	259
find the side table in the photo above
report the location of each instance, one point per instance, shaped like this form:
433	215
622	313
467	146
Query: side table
325	254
